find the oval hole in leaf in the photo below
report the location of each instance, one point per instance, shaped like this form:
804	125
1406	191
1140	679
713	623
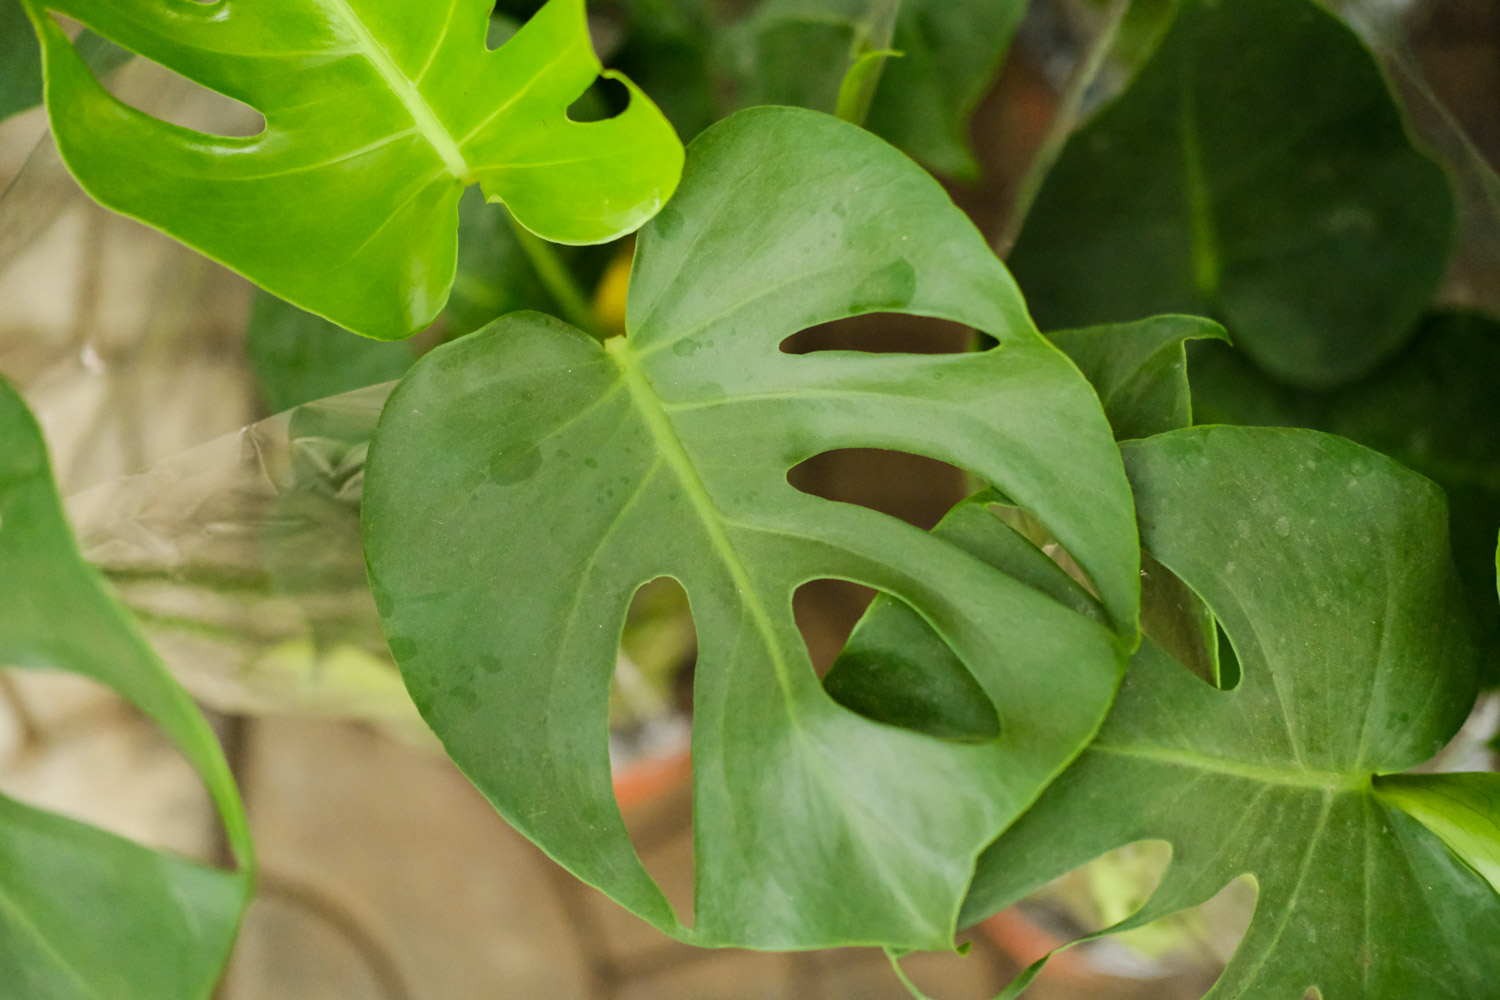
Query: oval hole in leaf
76	748
650	712
911	488
605	98
920	684
884	332
1183	951
168	96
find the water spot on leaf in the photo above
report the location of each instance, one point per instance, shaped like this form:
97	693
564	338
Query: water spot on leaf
685	348
512	467
590	463
667	222
402	648
891	287
464	697
491	664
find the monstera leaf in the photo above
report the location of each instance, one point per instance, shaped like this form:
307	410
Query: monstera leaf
1432	407
378	114
524	481
84	913
1256	170
1325	565
1139	370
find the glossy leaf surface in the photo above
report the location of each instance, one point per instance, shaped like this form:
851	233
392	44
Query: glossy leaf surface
1318	557
1433	407
1257	171
378	114
1462	809
525	481
84	913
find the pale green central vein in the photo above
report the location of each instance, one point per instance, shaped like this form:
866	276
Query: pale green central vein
406	92
1322	780
1207	267
669	446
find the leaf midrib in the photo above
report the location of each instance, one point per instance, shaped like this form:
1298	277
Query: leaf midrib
77	977
669	446
406	91
1297	778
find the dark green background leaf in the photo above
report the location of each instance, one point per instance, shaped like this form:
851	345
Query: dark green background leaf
1256	171
21	59
1318	557
84	913
796	52
524	482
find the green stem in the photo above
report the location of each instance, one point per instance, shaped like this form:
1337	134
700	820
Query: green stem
560	283
1062	124
857	91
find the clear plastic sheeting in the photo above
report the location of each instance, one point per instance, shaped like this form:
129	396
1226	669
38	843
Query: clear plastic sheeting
242	559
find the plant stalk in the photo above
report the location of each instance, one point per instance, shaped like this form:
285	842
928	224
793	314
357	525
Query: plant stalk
867	62
1062	124
572	301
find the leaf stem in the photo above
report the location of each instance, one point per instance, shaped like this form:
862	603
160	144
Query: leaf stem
867	62
1062	124
560	283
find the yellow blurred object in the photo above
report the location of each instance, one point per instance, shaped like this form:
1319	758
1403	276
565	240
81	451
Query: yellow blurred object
609	297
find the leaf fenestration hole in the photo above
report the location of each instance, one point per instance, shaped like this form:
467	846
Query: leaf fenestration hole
891	666
168	96
649	732
1187	950
911	488
883	332
605	98
93	757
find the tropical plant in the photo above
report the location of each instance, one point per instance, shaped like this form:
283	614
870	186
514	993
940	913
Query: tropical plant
1239	640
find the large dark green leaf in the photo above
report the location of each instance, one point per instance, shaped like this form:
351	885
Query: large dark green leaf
1433	407
525	481
796	52
378	114
1325	564
1257	171
85	914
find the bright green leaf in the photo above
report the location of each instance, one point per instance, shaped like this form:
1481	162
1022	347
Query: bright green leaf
1318	557
525	481
1139	370
1256	170
378	114
1463	809
85	914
